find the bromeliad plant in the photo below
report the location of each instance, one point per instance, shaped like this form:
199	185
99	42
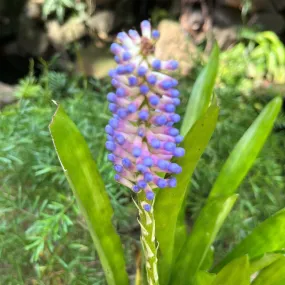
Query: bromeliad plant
143	145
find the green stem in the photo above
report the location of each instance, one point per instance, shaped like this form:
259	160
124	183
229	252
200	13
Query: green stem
148	241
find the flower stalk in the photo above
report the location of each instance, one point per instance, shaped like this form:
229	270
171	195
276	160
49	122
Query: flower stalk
147	224
141	136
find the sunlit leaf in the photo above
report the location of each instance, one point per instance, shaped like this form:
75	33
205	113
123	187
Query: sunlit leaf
84	179
246	150
168	227
202	236
267	237
274	274
201	95
235	273
204	278
259	263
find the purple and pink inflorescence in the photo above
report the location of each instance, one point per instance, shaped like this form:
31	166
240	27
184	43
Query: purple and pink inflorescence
140	135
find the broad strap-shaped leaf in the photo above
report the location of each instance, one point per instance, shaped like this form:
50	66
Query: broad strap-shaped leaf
267	237
274	274
246	150
84	179
169	202
235	273
208	260
261	262
201	95
204	278
202	236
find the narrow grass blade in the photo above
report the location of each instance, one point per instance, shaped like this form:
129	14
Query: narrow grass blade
201	95
201	238
170	201
235	273
84	179
246	150
267	237
274	274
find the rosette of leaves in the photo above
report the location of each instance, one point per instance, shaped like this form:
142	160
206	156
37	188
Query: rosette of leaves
183	257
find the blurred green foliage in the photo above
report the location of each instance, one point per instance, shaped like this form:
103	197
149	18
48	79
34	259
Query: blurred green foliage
44	239
258	57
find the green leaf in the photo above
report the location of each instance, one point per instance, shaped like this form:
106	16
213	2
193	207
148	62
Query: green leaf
84	179
201	238
267	237
259	263
274	274
201	95
246	150
172	200
204	278
234	273
209	259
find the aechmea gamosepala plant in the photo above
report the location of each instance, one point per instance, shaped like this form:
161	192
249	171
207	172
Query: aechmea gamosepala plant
140	134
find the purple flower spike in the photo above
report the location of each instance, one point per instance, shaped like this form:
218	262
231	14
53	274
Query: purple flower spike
142	184
136	188
147	207
143	115
154	100
141	138
155	34
137	152
156	64
142	71
148	177
149	195
144	89
151	79
133	81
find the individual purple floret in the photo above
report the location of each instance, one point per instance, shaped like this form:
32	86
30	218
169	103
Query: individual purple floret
140	135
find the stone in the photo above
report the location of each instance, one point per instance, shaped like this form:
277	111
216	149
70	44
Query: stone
102	23
226	37
33	10
6	95
61	35
94	61
174	44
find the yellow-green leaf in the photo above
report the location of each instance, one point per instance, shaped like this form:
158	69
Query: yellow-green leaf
202	236
235	273
246	150
261	262
169	202
81	172
267	237
274	274
204	278
201	95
